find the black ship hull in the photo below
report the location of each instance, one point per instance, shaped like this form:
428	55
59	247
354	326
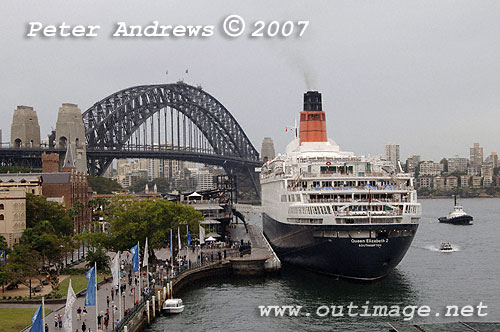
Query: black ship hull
462	220
341	250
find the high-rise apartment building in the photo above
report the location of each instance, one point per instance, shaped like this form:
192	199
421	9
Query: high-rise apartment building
412	163
492	160
476	155
457	164
430	168
392	154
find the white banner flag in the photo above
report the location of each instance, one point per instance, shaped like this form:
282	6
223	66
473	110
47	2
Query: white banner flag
146	254
115	269
202	235
179	237
68	310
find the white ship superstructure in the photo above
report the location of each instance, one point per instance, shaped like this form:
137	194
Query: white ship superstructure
317	183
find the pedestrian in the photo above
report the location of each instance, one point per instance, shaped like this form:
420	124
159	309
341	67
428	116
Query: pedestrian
59	320
79	313
84	327
106	321
55	321
107	300
46	327
99	320
112	294
84	314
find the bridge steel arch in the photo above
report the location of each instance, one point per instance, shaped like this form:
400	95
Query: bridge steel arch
110	123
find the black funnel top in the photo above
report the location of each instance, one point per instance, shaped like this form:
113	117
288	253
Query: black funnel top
312	101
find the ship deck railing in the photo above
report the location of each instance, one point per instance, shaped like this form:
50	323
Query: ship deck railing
343	200
352	188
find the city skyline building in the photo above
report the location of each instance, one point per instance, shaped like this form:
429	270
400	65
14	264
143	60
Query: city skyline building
412	163
391	152
457	164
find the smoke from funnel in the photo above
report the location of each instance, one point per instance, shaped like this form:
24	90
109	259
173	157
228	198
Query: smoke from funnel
302	66
297	59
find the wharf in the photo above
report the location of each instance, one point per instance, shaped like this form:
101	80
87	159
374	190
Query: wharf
262	258
447	327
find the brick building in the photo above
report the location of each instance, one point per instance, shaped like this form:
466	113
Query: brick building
67	187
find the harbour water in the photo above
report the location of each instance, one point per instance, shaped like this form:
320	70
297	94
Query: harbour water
426	276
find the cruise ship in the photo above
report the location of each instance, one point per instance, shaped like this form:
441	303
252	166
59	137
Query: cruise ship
332	212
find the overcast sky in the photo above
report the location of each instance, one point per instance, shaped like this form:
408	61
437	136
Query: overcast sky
424	74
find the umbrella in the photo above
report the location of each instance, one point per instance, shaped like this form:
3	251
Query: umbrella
210	239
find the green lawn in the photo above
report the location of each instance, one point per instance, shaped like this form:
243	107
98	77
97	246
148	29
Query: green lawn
78	282
15	319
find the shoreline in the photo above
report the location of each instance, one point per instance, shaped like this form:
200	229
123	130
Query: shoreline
451	197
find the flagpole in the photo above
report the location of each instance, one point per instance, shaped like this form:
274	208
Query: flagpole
43	312
119	286
120	292
145	261
96	308
171	253
187	248
140	274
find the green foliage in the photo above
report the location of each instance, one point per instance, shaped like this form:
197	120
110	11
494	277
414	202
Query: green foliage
43	243
162	185
23	263
133	220
3	244
102	185
46	241
18	169
139	186
39	209
98	256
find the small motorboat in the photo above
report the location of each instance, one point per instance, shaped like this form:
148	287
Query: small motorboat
446	246
172	306
457	216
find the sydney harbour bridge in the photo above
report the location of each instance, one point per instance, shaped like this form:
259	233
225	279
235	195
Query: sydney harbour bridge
164	121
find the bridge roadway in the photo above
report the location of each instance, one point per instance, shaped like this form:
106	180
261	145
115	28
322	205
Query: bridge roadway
34	155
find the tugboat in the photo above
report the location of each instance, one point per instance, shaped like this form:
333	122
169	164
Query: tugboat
458	216
446	246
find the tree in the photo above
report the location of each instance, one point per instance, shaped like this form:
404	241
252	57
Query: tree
102	185
133	220
97	256
139	186
24	263
39	209
18	169
98	205
50	246
3	244
162	185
